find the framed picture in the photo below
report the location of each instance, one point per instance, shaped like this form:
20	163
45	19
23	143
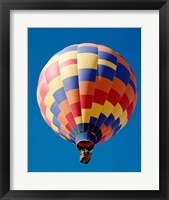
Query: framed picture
84	99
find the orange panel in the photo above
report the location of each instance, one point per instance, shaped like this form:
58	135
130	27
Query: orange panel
65	131
108	136
118	86
73	96
129	93
61	118
107	131
64	107
86	87
103	127
124	62
135	100
103	84
132	77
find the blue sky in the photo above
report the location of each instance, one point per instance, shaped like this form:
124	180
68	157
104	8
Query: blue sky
49	153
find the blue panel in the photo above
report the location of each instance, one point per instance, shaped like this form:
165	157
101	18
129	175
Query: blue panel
87	74
99	138
76	129
93	120
101	120
132	85
106	72
71	83
62	133
56	122
72	134
122	73
71	48
116	130
109	120
59	95
82	136
99	135
96	130
107	56
115	124
85	126
91	127
54	109
87	49
80	127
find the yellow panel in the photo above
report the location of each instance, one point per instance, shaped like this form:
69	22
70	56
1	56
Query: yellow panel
55	84
38	97
107	63
49	100
123	117
70	70
78	120
107	108
124	123
96	108
87	60
54	127
49	115
117	111
62	137
86	115
67	56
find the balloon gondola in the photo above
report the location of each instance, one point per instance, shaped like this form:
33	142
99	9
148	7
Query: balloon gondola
87	93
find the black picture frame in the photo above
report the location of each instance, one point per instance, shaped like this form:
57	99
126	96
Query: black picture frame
5	7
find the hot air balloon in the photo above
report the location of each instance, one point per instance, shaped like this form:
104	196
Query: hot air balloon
87	93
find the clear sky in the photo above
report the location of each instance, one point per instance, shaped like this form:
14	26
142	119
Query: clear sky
49	153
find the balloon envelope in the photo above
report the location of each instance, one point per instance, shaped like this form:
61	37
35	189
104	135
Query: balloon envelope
87	93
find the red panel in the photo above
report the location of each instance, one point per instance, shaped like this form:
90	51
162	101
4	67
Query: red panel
102	139
41	76
68	62
113	97
124	102
130	111
76	109
70	119
99	97
86	101
43	107
68	126
44	90
52	71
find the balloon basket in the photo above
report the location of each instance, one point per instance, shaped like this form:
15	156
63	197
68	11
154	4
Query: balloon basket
85	157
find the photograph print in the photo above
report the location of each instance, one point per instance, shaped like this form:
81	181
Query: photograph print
84	99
